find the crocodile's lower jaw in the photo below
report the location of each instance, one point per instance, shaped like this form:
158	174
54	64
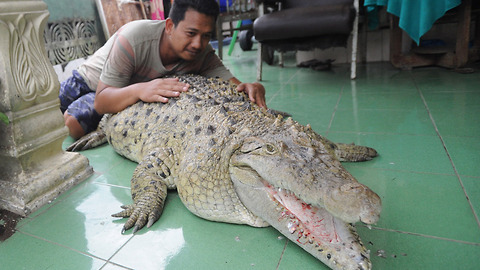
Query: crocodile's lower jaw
328	238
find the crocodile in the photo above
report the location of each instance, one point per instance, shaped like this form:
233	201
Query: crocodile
235	162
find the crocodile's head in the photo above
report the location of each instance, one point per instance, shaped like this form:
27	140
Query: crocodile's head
290	177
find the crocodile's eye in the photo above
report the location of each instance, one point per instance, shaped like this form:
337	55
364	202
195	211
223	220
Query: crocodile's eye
270	148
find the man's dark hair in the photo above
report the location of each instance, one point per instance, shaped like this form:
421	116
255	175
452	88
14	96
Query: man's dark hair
179	7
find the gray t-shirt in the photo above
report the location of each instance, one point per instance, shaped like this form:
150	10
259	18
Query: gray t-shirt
132	55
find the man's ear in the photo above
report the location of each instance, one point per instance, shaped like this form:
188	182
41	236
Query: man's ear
169	25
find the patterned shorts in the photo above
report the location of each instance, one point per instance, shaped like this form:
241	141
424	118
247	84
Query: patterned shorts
76	97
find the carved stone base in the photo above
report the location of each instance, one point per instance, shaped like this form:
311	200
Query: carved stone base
30	191
33	167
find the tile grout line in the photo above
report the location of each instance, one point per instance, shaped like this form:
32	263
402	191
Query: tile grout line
283	253
448	153
282	84
61	245
111	185
116	264
394	133
109	260
334	111
402	171
273	96
422	235
65	195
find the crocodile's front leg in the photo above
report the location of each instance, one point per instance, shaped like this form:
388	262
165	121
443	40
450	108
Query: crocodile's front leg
149	190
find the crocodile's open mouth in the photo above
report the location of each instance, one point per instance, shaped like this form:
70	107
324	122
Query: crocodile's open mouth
316	227
310	223
329	238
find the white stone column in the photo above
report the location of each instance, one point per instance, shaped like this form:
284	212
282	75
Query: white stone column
33	167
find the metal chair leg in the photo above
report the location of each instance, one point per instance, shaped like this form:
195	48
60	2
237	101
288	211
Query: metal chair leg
259	61
353	68
219	38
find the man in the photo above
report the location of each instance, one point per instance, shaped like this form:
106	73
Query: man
132	64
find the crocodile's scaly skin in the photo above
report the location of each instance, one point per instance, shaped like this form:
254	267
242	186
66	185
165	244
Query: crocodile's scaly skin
232	161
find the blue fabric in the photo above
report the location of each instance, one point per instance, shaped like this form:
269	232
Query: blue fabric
224	3
416	17
76	97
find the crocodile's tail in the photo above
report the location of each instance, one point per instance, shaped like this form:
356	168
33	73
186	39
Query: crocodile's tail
92	139
354	153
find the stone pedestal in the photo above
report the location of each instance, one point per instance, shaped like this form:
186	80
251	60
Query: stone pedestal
33	167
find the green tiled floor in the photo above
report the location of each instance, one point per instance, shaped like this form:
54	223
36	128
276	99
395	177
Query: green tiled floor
425	124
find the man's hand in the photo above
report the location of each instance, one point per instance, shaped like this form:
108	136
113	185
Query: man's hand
111	99
255	92
159	90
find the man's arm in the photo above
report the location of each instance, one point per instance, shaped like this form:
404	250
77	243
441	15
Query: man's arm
111	99
255	91
214	67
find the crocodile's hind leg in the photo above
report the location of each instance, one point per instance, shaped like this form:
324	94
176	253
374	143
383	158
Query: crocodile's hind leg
354	153
92	139
149	184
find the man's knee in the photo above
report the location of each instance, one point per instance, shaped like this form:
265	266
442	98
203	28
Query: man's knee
74	127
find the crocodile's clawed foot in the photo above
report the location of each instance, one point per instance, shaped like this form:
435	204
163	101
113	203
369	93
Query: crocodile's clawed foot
127	212
138	216
88	141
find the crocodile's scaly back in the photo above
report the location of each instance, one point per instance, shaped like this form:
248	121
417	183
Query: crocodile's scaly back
233	161
211	110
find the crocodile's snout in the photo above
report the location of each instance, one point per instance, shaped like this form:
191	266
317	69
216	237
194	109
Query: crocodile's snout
353	202
372	208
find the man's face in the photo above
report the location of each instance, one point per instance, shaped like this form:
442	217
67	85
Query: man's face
190	37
